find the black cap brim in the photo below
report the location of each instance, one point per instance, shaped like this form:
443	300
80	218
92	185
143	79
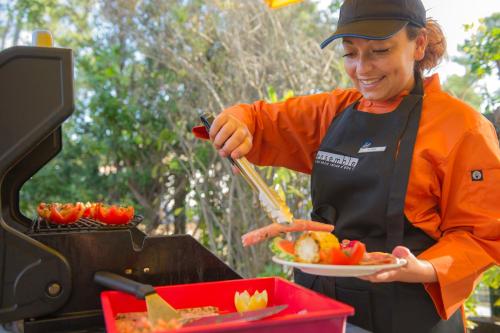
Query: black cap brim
367	29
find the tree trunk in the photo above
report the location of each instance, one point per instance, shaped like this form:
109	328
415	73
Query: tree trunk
179	209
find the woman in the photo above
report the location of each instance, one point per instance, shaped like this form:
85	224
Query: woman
395	162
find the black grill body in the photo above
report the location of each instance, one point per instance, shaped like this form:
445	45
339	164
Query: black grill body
46	272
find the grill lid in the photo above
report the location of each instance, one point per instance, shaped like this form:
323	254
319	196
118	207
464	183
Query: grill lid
36	90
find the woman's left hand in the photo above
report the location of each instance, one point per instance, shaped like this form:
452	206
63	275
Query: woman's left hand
416	271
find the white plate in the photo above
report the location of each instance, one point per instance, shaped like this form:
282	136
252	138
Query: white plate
339	270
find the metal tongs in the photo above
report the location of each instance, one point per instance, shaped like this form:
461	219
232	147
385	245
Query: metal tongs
275	207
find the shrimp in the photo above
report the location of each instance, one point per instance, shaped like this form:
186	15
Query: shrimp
256	236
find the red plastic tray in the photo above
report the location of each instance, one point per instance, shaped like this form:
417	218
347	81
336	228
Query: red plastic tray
307	310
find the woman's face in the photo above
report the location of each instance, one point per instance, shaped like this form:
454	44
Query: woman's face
381	69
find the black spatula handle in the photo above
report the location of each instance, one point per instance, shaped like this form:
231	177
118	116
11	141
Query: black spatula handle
117	282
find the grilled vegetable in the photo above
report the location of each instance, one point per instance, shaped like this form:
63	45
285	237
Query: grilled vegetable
315	247
114	214
90	210
244	302
350	252
283	248
324	248
70	212
60	213
43	210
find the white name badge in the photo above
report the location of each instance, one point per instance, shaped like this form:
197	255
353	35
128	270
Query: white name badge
371	149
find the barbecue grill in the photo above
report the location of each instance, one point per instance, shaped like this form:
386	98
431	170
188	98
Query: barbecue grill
47	271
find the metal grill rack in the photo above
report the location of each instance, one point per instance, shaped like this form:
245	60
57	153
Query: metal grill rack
40	225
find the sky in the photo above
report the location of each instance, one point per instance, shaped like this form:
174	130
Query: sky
452	15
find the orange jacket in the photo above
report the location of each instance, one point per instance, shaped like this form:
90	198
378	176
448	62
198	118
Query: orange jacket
442	198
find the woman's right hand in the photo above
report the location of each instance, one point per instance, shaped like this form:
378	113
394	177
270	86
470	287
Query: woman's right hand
230	136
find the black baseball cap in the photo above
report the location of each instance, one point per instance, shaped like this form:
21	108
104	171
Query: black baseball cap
376	19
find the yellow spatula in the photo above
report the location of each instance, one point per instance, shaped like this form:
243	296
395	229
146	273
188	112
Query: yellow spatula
157	307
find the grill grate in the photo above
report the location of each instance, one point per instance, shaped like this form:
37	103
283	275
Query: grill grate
84	224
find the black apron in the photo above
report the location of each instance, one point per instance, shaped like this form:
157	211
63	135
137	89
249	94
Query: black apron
358	184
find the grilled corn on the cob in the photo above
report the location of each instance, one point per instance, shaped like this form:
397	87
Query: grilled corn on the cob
313	245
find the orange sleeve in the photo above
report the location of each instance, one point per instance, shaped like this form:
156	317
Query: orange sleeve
289	133
470	218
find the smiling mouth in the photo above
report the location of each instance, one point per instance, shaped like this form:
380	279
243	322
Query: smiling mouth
370	82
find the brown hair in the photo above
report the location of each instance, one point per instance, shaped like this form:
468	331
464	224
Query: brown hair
436	46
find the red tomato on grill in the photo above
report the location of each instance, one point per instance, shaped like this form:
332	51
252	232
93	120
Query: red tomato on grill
43	210
90	209
114	214
60	213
